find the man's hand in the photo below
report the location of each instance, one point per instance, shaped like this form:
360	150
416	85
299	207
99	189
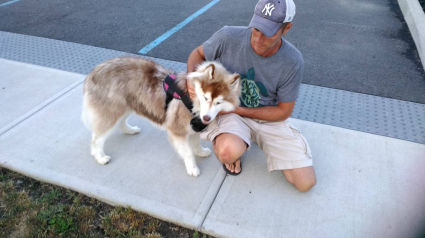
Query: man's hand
236	111
268	113
224	113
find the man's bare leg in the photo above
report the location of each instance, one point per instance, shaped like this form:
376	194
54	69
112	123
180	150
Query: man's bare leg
303	178
229	148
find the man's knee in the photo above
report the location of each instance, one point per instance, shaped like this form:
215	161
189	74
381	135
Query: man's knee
305	185
302	178
227	154
228	148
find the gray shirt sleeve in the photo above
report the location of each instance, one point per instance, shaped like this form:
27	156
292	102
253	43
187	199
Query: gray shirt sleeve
214	47
288	89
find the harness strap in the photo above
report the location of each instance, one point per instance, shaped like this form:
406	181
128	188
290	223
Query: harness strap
174	92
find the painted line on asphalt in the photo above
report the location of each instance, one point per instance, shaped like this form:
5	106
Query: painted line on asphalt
167	34
7	3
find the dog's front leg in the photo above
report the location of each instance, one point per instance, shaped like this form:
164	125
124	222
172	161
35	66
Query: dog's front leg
184	149
195	141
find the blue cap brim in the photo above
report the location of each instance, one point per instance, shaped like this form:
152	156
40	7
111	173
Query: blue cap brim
266	26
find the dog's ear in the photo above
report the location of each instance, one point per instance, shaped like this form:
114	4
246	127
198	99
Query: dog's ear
195	76
210	71
234	78
235	82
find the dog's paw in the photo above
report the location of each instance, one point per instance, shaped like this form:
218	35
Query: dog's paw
103	159
133	130
194	171
203	152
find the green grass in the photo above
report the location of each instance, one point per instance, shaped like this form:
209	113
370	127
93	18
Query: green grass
29	208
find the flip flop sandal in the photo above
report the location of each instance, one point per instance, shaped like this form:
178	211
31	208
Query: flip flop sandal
232	173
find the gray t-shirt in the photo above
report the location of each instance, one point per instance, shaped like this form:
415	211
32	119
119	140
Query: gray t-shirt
265	80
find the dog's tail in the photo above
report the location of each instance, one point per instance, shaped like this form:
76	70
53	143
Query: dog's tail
86	115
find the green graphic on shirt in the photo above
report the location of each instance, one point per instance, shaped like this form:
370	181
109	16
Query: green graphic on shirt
251	90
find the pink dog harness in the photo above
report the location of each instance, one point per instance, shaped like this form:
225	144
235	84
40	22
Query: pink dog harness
172	91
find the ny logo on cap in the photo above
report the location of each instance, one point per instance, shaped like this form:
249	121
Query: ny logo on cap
268	9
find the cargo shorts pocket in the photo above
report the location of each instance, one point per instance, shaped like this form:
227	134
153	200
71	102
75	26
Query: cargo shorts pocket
302	138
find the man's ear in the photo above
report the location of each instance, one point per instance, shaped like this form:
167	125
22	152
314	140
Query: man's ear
288	27
210	71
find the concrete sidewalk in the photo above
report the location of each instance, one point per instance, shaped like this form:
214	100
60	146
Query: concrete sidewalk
368	185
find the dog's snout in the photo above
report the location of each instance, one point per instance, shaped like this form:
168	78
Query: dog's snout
206	118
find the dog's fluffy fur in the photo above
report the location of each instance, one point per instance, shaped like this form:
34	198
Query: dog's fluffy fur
121	86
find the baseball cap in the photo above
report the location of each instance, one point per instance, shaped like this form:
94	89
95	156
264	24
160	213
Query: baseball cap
269	15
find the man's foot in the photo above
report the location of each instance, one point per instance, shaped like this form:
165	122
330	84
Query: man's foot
233	169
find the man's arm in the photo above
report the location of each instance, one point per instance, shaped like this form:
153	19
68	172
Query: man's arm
195	58
280	112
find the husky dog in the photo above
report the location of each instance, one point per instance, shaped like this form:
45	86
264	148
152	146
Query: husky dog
120	86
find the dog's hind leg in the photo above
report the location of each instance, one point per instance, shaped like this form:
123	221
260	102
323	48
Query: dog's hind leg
195	141
103	126
100	130
97	144
182	145
125	127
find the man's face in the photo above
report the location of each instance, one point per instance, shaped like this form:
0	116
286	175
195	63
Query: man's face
263	45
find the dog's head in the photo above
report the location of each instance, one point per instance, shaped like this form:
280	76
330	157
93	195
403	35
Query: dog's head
216	90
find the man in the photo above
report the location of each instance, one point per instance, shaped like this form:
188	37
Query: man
271	70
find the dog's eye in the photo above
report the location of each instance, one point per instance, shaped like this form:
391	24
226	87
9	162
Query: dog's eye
205	98
218	103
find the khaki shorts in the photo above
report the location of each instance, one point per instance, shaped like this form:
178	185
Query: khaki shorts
282	144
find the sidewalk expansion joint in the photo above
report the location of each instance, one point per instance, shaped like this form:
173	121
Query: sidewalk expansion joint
38	108
215	197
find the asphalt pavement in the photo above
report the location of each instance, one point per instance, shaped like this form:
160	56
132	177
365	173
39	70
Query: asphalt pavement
357	46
